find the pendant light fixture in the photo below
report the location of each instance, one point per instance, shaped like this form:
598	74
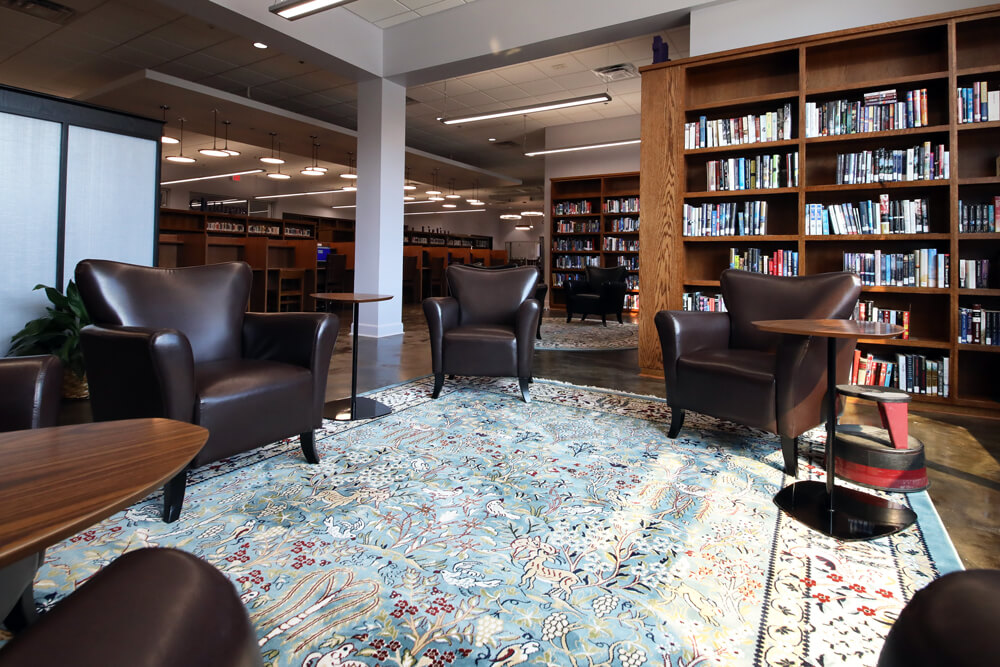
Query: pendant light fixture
214	151
180	157
349	174
277	175
531	214
434	189
452	195
314	169
226	148
166	139
408	186
272	159
510	216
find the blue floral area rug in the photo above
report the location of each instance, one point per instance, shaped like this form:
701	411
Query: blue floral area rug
479	530
587	336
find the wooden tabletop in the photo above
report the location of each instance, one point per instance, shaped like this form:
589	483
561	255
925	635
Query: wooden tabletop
54	482
830	328
351	297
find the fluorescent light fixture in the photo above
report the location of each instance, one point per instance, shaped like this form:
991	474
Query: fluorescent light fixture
406	203
297	9
586	147
468	210
533	108
208	178
298	194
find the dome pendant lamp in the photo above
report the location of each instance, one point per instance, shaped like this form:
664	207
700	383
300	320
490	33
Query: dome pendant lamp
272	159
180	157
166	139
214	151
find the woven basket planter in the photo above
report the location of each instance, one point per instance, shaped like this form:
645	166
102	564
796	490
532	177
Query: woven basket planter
75	386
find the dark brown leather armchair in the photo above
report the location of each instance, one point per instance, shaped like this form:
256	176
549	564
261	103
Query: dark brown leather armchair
541	289
30	399
150	607
602	293
486	327
177	343
720	364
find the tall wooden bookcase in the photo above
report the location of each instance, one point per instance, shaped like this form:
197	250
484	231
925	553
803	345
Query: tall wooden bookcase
595	221
939	53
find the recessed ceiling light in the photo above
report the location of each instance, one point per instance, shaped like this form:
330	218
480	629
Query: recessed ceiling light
259	45
493	138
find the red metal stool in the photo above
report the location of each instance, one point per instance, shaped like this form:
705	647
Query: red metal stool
885	458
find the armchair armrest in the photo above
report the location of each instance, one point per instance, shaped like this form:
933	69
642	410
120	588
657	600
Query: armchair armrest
32	390
442	315
525	326
613	294
682	332
138	372
577	286
299	339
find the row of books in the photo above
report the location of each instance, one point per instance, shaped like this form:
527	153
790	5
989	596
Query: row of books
696	301
299	232
560	279
913	373
748	218
580	207
847	117
978	326
979	217
224	226
749	129
629	262
632	281
867	311
616	244
884	216
925	267
578	227
753	173
974	273
884	165
978	104
623	225
575	245
778	263
269	230
622	205
576	261
631	302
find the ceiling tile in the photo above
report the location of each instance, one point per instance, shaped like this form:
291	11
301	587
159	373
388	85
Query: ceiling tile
318	80
396	20
182	71
639	49
520	73
417	4
21	30
506	93
454	87
475	99
376	10
424	93
625	86
541	88
134	57
439	7
577	80
560	65
281	66
238	51
190	34
208	64
600	56
161	48
244	77
485	81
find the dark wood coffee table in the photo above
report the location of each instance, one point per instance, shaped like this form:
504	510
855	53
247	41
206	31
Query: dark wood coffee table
348	409
56	481
846	514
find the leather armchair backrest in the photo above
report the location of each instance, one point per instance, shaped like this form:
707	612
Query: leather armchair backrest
205	303
597	275
490	297
756	296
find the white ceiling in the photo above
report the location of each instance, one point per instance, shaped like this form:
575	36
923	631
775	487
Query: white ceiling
111	41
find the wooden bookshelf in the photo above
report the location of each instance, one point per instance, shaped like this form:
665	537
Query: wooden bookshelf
939	53
595	220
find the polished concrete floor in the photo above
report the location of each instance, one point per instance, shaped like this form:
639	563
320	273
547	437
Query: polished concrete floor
963	452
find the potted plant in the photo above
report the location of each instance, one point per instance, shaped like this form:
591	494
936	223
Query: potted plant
58	333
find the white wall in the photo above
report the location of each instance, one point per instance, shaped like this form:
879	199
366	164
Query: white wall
741	23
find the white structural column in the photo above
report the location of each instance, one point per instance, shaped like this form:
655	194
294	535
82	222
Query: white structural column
378	235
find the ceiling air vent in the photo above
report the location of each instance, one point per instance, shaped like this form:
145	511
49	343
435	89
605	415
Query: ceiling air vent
618	72
42	9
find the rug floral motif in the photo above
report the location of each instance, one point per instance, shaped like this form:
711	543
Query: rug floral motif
587	336
479	530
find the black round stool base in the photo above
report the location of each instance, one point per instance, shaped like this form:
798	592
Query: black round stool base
854	515
365	408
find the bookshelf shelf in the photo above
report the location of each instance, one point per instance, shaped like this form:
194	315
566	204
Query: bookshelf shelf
602	192
939	53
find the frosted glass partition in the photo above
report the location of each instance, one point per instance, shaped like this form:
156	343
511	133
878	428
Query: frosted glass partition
29	218
110	198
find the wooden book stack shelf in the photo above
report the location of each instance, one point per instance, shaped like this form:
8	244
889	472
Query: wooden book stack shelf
879	125
595	221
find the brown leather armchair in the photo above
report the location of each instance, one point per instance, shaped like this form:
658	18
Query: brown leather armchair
150	607
486	327
602	293
177	343
30	399
720	364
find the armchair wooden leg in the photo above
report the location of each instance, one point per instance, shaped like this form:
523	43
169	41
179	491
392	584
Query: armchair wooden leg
24	612
620	317
525	394
604	319
676	421
438	383
569	315
790	449
308	442
173	496
583	317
